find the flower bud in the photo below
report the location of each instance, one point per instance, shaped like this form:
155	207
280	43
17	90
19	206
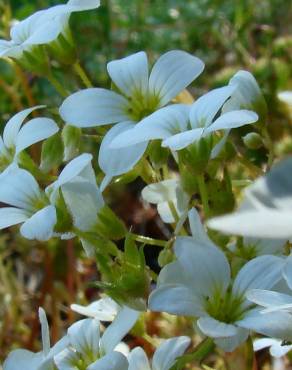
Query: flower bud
253	140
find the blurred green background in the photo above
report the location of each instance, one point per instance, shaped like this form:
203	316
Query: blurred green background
227	35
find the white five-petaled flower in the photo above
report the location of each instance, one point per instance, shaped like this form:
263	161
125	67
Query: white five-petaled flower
199	284
27	360
42	27
163	358
27	205
93	351
139	95
16	138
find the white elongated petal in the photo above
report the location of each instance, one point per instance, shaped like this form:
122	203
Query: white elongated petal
138	360
175	299
207	106
260	273
34	131
285	97
159	125
115	162
264	223
279	350
12	127
41	225
83	200
18	188
269	299
233	119
197	228
163	191
273	324
130	74
230	343
116	331
112	361
205	265
45	331
262	343
287	271
27	359
94	107
66	359
84	336
173	273
184	139
10	216
220	145
216	329
166	354
172	73
83	4
105	309
59	347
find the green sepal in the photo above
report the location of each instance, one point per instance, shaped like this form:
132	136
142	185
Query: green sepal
109	225
52	153
157	154
71	137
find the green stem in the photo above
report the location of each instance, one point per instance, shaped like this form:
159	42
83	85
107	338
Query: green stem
269	145
204	194
150	241
201	352
82	74
59	88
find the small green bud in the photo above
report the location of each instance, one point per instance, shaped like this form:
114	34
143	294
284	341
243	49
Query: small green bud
253	140
52	153
71	138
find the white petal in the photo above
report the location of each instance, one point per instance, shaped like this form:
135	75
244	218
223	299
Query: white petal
260	273
219	146
265	223
197	228
172	73
207	106
112	361
184	139
83	200
10	216
83	4
206	266
45	331
138	360
287	271
163	191
12	127
116	331
18	188
269	299
84	337
233	119
40	226
230	343
34	131
176	300
105	309
27	359
262	343
216	329
274	324
285	97
115	162
159	125
66	359
279	350
166	354
94	107
130	74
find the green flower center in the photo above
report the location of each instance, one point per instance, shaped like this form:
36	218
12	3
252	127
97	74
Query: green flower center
225	307
141	106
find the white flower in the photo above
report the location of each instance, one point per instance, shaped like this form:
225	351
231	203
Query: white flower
277	347
139	94
42	27
16	138
105	309
27	360
163	358
285	97
199	284
93	351
28	204
163	192
266	211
